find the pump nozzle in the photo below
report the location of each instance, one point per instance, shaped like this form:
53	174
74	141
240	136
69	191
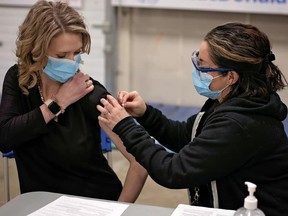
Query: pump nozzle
250	201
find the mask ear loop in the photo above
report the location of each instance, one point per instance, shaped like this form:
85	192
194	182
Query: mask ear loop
227	86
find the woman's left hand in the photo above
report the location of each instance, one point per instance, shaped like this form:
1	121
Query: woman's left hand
111	112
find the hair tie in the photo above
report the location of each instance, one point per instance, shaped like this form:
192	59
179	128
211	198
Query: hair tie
270	57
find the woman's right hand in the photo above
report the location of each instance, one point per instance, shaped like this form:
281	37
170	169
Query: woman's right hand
74	89
132	102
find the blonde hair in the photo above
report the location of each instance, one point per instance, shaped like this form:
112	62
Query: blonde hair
44	21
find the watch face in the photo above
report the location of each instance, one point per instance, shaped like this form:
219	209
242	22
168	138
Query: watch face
54	107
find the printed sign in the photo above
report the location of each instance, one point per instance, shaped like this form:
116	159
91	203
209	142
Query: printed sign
244	6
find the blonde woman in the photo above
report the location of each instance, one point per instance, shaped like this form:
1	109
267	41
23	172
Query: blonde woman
48	114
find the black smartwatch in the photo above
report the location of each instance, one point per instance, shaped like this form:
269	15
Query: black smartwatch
55	108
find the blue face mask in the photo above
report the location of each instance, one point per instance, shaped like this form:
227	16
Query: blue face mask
202	82
62	69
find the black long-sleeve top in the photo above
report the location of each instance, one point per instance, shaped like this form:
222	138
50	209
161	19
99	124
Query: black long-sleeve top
64	156
242	139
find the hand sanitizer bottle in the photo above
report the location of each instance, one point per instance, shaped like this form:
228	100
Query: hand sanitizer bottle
250	204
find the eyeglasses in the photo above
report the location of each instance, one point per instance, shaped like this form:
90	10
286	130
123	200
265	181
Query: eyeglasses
195	61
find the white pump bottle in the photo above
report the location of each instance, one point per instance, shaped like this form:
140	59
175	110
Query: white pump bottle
250	203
